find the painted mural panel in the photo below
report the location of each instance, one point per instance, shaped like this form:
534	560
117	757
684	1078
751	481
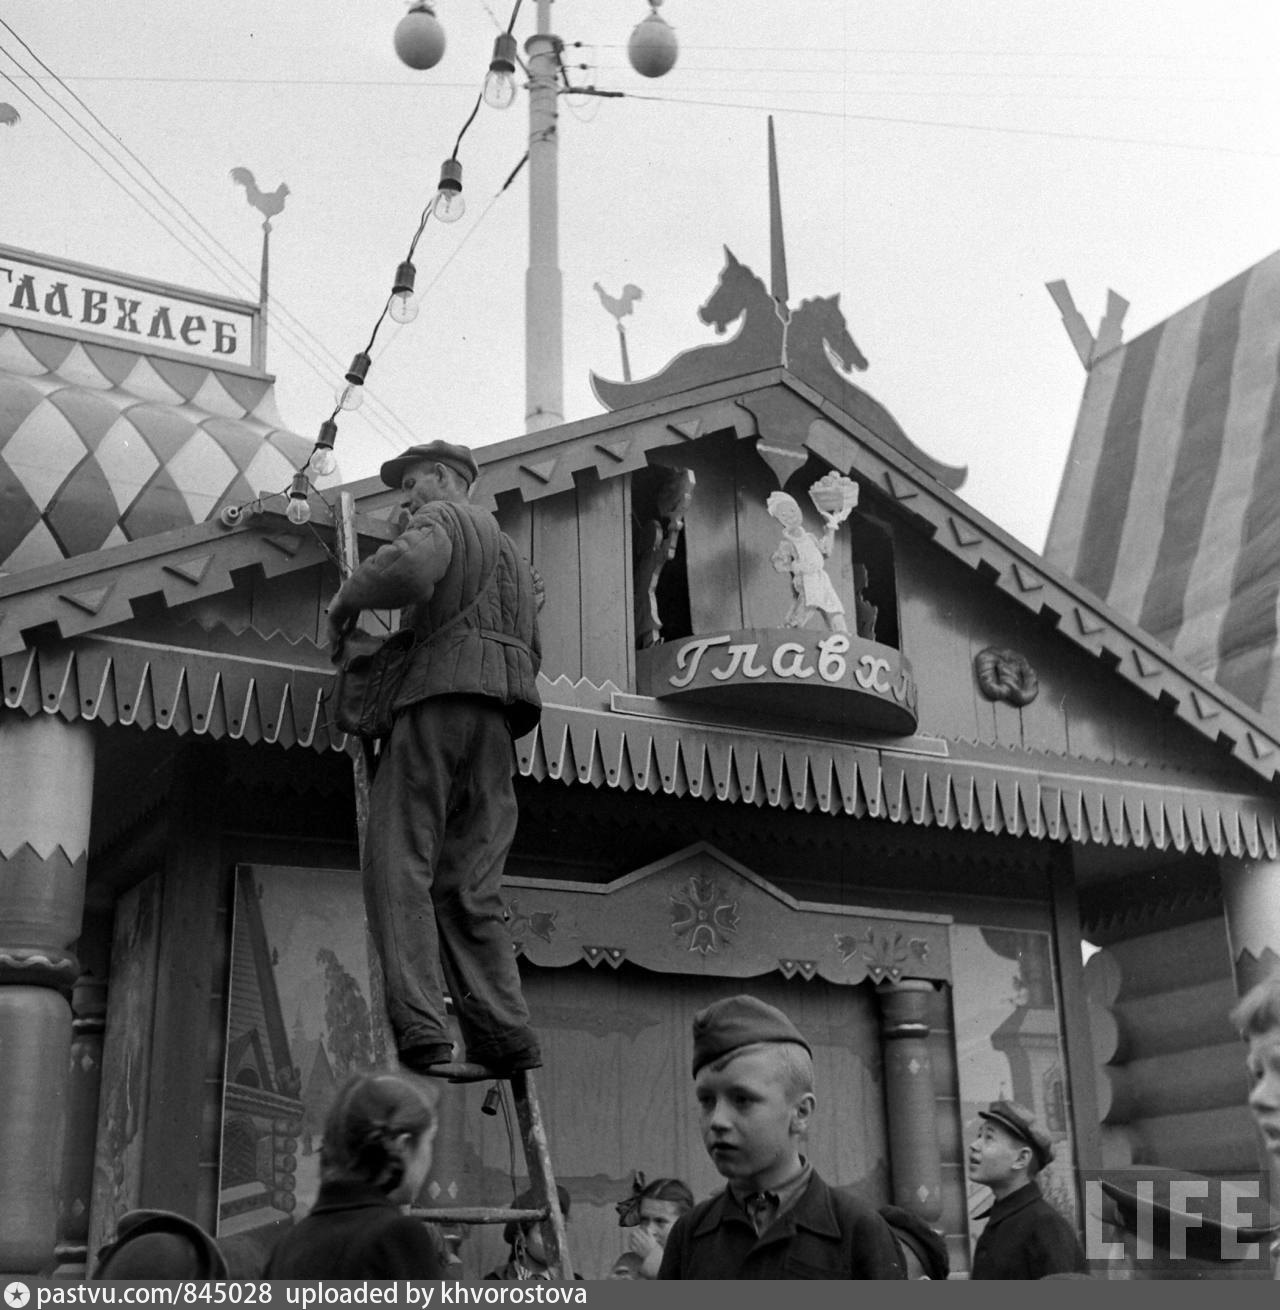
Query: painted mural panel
122	1109
302	1001
1009	1045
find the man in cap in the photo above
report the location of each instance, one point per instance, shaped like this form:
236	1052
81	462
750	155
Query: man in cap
442	808
776	1218
1025	1236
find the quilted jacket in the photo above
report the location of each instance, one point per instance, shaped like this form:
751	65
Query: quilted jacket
468	597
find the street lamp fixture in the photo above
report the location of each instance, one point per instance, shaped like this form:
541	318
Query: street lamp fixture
419	37
653	47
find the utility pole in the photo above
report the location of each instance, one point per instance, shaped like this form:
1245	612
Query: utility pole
543	300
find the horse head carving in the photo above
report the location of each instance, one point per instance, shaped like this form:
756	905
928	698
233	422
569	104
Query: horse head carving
739	291
818	331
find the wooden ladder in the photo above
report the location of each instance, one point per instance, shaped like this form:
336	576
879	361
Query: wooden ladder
537	1155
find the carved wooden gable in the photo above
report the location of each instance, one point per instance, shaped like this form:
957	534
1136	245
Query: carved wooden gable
701	912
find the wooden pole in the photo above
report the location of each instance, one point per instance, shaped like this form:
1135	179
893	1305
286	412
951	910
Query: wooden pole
383	1039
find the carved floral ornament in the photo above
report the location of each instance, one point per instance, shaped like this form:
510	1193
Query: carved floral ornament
699	912
703	914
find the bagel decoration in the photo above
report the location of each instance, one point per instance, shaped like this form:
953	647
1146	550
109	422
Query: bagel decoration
1006	675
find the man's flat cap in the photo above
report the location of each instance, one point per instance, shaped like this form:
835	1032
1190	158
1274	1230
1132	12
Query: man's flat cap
1018	1120
739	1021
441	452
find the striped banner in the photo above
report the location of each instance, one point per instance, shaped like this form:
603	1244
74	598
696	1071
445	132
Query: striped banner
1169	508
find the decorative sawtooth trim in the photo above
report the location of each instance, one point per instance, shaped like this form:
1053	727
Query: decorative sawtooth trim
544	470
1144	664
287	543
963	534
805	968
1204	707
116	680
720	762
113	681
89	599
92	592
796	761
1258	747
689	429
893	785
693	753
1087	623
610	955
1026	579
898	487
615	450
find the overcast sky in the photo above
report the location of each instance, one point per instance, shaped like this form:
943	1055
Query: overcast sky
940	163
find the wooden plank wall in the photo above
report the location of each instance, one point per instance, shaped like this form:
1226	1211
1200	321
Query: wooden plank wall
580	544
949	615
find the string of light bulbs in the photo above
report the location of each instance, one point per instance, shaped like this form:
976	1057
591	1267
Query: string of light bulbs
419	41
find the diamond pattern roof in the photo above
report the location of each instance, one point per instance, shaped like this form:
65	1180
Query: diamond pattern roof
99	446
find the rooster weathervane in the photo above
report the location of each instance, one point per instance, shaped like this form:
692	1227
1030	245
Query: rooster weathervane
268	204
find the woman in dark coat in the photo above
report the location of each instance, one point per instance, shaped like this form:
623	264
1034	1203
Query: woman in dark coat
374	1158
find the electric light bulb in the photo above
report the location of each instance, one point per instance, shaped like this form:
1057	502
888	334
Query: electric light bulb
350	396
499	89
449	206
323	461
298	510
403	307
500	82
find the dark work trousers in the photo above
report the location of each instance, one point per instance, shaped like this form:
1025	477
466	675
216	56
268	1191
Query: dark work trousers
442	816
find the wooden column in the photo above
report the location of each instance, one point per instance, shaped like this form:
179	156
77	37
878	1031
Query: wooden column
89	1021
1251	902
914	1155
46	790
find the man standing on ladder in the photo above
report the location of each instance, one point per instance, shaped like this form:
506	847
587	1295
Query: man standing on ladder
442	809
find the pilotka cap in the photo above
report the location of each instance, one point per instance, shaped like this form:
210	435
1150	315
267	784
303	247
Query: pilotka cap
1019	1121
455	457
739	1021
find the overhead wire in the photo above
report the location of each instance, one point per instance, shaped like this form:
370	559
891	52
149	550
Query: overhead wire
300	339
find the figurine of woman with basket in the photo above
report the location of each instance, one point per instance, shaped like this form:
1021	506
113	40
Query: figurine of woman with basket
804	555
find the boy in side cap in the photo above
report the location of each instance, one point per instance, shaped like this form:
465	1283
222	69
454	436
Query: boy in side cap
776	1218
1025	1236
442	809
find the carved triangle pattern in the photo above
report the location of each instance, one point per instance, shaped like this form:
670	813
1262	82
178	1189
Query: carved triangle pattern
867	783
